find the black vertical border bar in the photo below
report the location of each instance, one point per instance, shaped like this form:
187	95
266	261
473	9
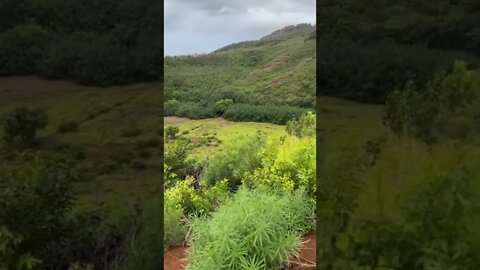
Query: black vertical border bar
319	139
161	123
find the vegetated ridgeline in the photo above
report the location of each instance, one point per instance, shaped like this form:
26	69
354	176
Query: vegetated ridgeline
278	69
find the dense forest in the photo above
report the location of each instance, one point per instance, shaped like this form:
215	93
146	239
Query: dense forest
94	42
370	48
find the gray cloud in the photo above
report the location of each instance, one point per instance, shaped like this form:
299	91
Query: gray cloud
193	26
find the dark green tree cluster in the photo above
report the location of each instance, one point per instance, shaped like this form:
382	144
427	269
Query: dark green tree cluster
368	49
21	125
263	113
446	109
97	42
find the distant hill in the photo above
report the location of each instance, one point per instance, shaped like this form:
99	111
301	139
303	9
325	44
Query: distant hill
277	69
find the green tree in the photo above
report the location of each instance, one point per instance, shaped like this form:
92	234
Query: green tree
23	123
444	109
303	127
171	132
222	105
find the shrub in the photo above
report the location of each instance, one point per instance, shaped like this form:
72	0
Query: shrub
171	132
286	166
222	105
176	157
304	126
170	107
36	203
234	160
251	230
22	123
446	109
66	127
144	254
174	231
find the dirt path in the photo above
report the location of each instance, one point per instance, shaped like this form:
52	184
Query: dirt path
175	258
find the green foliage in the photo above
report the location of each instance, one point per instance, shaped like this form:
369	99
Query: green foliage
202	200
252	229
171	132
234	160
145	252
433	236
286	166
170	107
101	43
174	230
303	127
9	257
369	72
263	113
22	123
21	47
36	201
383	45
222	105
177	160
444	110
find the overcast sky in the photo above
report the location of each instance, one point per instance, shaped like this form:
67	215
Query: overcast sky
202	26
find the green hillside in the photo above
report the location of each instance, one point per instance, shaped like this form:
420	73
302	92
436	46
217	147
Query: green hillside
117	135
278	69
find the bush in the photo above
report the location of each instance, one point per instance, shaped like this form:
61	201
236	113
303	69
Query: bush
176	157
286	166
234	160
174	231
171	132
445	110
22	123
36	203
66	127
305	126
222	105
251	230
263	113
170	107
144	254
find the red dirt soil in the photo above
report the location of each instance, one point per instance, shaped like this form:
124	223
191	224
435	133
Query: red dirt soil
176	258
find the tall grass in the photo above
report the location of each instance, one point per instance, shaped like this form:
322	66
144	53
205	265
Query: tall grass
253	230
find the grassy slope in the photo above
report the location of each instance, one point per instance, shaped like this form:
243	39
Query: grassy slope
279	68
116	109
223	130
